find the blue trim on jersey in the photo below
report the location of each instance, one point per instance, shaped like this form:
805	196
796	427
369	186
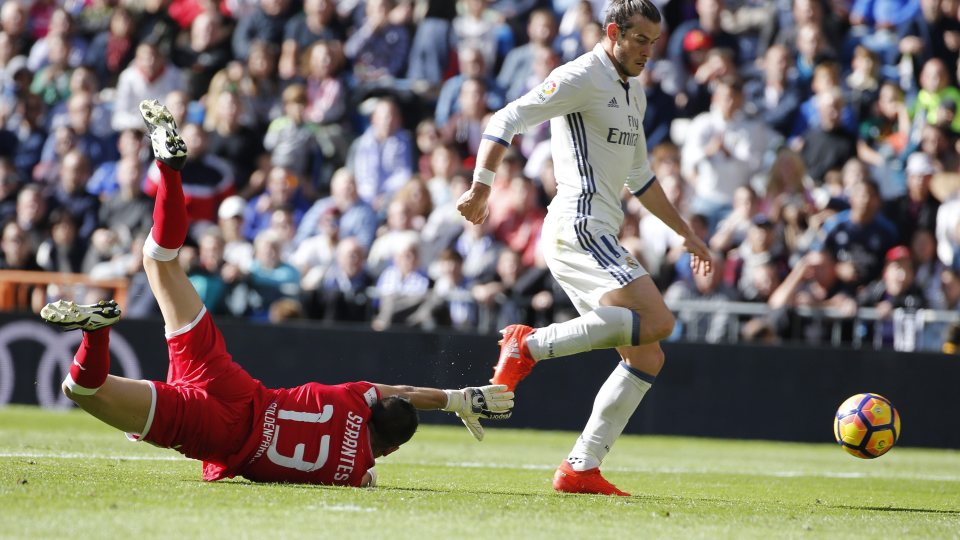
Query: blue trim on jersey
638	374
644	189
587	188
497	140
635	334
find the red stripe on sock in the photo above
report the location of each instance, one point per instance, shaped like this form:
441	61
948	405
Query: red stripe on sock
170	210
92	362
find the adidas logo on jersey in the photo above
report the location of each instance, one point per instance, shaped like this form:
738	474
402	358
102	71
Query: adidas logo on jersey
613	103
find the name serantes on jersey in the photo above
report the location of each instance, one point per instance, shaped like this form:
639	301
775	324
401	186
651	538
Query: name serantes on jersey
348	454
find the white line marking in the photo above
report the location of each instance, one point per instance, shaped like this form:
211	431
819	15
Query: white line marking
536	467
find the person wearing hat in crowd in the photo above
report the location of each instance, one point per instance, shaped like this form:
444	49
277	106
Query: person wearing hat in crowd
896	289
237	250
918	207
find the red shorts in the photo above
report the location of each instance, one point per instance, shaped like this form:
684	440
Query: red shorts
206	408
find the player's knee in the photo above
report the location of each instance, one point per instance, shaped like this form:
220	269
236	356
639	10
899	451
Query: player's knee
68	392
661	326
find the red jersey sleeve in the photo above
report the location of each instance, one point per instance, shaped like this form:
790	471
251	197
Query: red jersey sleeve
319	435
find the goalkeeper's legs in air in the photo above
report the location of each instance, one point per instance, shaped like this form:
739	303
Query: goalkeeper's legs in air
126	404
633	319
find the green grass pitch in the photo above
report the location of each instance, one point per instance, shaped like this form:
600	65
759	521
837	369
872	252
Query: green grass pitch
63	474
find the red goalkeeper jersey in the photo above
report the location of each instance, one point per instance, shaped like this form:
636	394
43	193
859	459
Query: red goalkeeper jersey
313	434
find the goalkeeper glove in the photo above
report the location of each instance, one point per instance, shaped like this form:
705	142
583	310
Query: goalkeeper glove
471	404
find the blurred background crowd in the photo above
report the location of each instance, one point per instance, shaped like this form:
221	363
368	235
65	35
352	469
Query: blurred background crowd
812	143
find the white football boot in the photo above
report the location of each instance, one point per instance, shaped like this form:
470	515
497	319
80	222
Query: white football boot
168	146
71	316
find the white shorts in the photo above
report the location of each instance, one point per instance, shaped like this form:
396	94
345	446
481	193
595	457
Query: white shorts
586	259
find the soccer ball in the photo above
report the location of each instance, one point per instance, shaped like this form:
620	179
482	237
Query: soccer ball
867	425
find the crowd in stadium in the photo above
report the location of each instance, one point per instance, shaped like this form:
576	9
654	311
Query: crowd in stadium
812	143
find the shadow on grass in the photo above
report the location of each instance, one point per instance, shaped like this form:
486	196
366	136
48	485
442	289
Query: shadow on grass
897	509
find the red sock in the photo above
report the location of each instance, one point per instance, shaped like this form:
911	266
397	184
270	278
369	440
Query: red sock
170	210
90	366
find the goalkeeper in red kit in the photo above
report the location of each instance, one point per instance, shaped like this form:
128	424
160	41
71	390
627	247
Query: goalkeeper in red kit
210	408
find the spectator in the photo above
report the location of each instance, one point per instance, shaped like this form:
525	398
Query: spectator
327	101
520	230
707	26
863	82
520	62
104	182
829	145
32	213
290	139
236	143
448	303
758	253
917	209
97	149
206	52
935	96
27	125
205	275
397	231
237	251
826	79
883	137
478	26
472	66
63	251
316	24
723	150
776	97
265	24
61	24
710	288
434	47
270	279
150	76
857	237
812	283
13	22
155	25
932	32
661	110
928	268
357	218
492	292
315	254
382	158
895	290
52	82
732	230
378	49
111	51
71	193
342	295
16	254
255	81
402	286
465	127
127	211
283	190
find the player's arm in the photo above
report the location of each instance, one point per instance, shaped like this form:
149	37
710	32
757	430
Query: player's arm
656	201
470	404
565	90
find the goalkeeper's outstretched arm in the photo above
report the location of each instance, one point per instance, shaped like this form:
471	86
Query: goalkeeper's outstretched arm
469	404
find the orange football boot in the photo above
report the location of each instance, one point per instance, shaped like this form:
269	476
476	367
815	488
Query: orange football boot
515	361
567	480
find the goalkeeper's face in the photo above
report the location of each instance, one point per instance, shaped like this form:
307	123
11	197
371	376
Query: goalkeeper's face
393	421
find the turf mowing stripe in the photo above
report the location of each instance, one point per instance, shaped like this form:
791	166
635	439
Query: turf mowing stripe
529	466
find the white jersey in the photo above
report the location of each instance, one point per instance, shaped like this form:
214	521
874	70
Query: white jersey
597	139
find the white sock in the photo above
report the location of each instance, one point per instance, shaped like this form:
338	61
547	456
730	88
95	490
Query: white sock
155	251
617	399
603	328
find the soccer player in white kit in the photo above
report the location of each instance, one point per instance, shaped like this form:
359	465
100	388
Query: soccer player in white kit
596	111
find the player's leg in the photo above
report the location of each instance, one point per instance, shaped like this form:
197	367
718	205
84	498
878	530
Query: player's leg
178	300
119	402
619	304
